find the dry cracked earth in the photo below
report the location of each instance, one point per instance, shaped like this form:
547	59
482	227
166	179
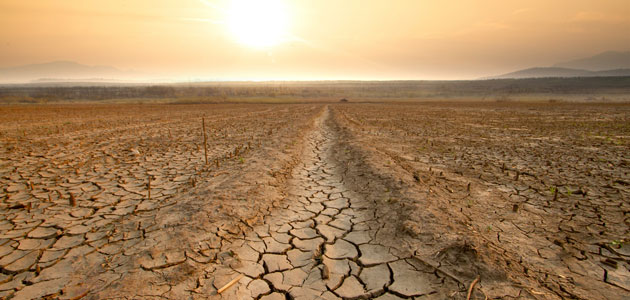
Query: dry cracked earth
322	244
296	202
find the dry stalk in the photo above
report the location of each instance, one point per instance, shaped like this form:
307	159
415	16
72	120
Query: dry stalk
73	201
472	286
229	284
205	139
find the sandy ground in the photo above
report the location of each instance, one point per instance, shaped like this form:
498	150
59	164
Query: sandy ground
313	201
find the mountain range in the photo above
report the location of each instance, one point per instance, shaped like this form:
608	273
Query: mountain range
606	64
62	71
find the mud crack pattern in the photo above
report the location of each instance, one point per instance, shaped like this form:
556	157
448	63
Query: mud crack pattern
321	245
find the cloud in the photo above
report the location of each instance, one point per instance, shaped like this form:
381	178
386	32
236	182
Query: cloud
596	17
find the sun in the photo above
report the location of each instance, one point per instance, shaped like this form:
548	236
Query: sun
258	23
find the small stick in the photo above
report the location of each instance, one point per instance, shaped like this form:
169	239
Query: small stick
229	284
73	201
205	139
470	289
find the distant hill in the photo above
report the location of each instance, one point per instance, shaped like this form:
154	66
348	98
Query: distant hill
60	71
610	60
605	64
561	72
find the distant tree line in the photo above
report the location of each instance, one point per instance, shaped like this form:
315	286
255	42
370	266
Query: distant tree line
321	89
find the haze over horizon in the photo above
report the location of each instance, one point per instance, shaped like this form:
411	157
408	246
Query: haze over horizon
311	39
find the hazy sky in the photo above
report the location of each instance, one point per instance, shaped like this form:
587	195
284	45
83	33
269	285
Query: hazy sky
312	39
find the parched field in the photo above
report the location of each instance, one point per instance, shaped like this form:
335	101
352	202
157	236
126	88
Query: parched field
315	201
540	192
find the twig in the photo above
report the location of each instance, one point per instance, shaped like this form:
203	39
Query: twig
229	284
205	139
470	289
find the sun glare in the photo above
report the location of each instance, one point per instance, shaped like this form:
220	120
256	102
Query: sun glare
258	23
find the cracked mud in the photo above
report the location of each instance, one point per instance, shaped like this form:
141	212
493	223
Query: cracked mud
322	244
314	202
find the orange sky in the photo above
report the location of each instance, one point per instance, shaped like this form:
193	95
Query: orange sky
324	39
